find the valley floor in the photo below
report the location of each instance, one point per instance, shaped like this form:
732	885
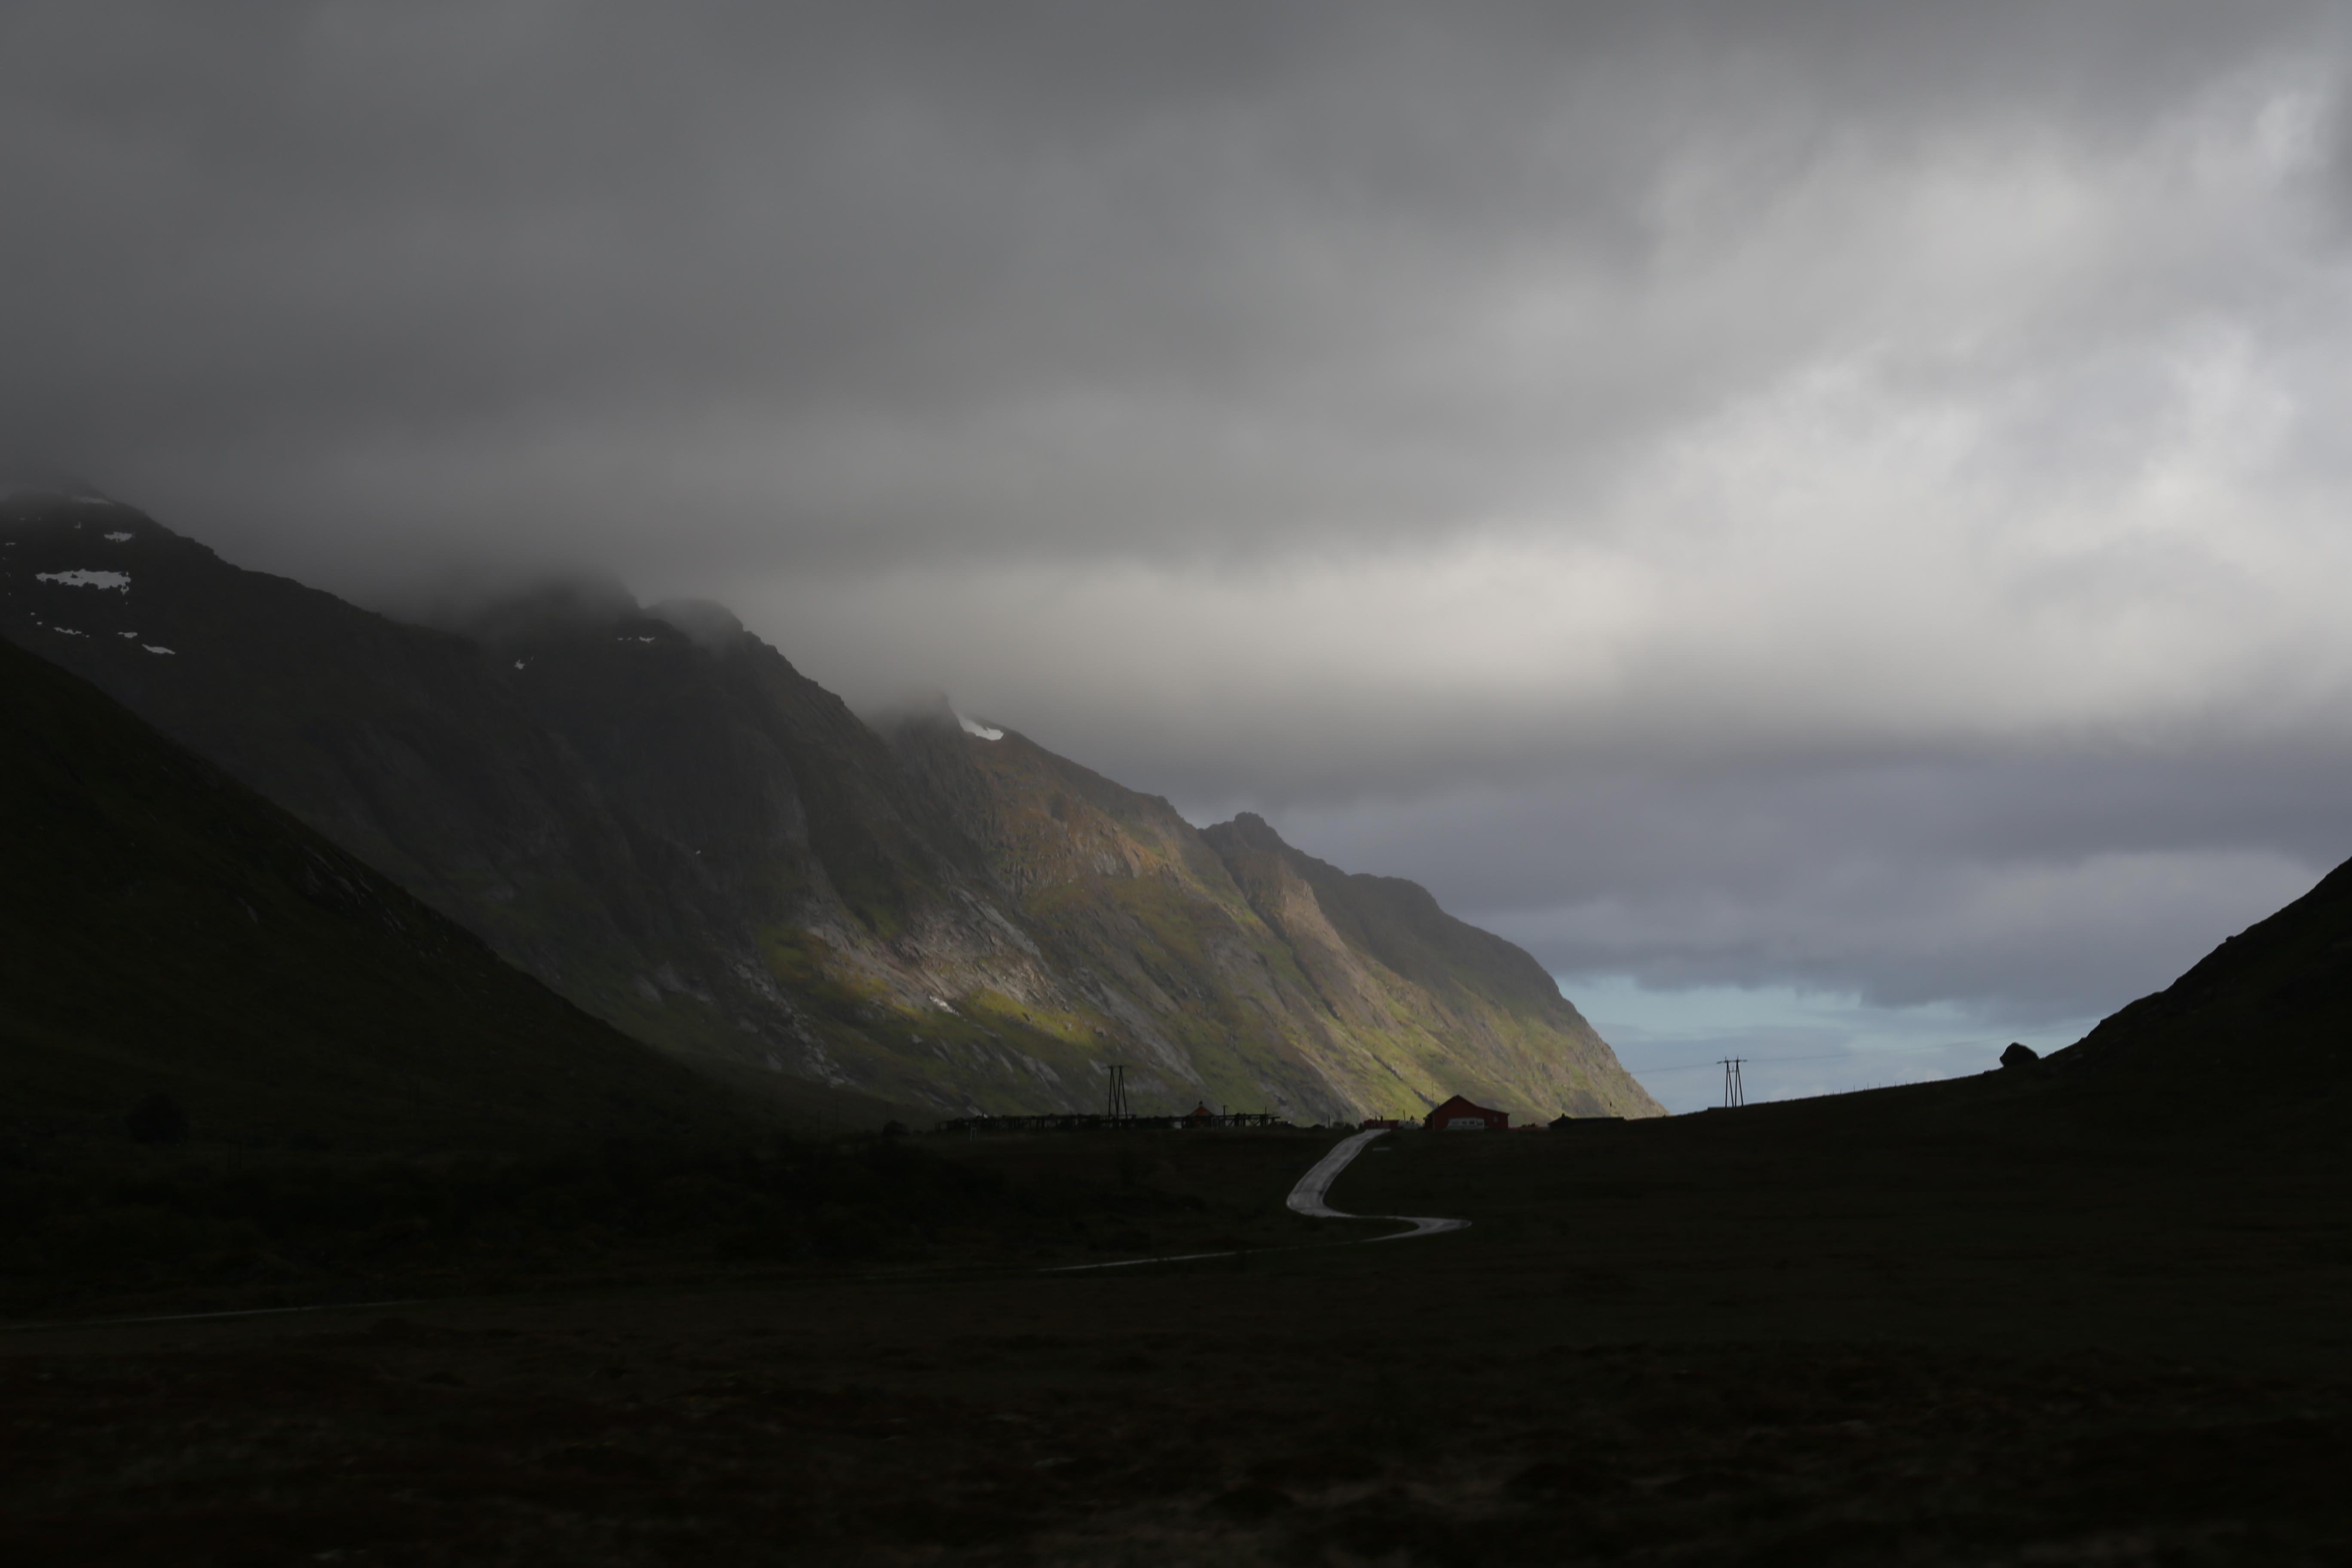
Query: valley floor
1948	1326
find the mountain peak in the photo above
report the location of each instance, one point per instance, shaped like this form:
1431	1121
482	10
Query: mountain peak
935	708
558	607
709	625
44	478
1252	831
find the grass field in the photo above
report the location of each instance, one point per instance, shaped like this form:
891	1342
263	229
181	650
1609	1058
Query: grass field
1961	1324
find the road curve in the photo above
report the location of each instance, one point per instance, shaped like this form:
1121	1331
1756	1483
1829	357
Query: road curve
1307	1198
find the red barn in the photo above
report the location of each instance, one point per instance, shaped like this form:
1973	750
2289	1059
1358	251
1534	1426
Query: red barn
1458	1115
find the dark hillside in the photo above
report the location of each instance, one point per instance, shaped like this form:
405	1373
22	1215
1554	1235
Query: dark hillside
2262	1024
165	930
679	833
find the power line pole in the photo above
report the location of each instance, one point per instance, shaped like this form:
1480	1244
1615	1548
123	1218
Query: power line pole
1117	1109
1733	1091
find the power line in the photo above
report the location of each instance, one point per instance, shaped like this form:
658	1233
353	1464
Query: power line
1760	1061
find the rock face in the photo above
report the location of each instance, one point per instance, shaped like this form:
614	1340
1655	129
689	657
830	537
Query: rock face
653	812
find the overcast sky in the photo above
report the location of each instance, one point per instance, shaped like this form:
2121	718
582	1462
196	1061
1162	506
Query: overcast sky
1820	496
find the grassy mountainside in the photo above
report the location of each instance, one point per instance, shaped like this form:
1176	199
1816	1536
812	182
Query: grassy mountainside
166	931
653	813
1196	995
1279	979
1449	1004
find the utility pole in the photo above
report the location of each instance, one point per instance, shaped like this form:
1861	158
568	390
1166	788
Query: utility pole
1733	1091
1117	1110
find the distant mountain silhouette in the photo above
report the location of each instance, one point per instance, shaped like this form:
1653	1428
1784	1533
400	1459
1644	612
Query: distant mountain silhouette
655	813
2262	1023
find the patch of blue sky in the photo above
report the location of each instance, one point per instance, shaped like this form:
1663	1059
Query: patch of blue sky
1797	1043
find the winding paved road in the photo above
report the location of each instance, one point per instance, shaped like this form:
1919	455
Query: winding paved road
1306	1198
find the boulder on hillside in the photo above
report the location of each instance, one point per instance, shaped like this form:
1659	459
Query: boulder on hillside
2020	1056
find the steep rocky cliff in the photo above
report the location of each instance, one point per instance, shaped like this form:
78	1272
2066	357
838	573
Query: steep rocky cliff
1227	958
1441	1002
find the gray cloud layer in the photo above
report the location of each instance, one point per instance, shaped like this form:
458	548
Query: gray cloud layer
1844	493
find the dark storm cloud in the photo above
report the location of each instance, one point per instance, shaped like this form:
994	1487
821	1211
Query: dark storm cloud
1826	492
857	281
2032	885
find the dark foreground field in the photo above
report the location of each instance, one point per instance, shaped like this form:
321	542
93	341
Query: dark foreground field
1953	1325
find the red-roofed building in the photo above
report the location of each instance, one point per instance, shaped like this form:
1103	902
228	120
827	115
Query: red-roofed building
1458	1115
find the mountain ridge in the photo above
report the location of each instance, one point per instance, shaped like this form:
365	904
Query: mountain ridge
680	832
